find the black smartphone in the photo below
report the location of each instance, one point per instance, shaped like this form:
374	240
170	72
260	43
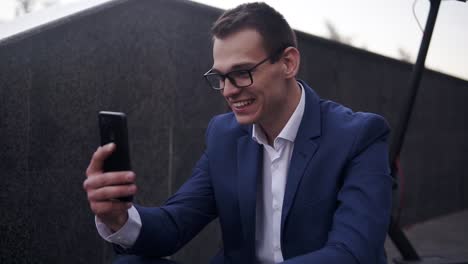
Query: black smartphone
113	128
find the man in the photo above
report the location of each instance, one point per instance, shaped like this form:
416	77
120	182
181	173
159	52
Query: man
291	177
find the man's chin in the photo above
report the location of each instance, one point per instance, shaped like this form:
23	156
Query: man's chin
245	120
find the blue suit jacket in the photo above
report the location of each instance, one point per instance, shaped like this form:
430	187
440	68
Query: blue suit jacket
337	200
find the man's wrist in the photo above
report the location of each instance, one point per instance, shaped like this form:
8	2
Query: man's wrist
126	235
121	221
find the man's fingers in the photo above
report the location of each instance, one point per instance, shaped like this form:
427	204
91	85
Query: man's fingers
111	192
108	179
97	161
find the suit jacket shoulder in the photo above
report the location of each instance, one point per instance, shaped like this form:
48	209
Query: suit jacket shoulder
358	128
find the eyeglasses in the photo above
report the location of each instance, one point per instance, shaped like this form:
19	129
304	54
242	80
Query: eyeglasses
238	78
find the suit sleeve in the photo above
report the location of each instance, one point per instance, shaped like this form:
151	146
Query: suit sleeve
166	229
361	220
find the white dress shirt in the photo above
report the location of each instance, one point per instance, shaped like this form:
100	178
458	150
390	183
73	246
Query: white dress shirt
270	194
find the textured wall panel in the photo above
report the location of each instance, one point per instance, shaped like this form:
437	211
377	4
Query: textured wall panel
147	58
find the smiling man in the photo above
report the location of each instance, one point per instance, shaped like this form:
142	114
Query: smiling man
291	177
269	101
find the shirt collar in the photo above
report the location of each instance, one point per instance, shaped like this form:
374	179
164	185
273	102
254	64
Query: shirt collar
289	131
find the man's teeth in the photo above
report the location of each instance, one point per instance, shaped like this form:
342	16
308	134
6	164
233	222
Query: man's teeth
242	103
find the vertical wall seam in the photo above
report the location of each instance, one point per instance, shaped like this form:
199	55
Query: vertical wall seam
171	158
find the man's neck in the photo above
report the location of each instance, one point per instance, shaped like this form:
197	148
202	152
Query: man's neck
272	128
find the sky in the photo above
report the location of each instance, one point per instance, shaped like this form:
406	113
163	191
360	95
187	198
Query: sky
380	26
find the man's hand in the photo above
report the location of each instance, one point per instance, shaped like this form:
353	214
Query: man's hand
103	189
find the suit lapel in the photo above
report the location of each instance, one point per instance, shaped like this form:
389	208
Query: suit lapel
249	167
305	146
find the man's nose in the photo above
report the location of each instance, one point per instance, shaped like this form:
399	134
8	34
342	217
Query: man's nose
230	89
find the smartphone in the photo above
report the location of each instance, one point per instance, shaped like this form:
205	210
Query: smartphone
113	128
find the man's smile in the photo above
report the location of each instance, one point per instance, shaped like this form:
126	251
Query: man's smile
242	104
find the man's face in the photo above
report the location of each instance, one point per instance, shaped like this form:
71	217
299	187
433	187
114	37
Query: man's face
264	99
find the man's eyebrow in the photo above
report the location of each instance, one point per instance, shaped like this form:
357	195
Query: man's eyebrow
240	66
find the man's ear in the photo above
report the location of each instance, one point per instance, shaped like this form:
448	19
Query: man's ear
291	59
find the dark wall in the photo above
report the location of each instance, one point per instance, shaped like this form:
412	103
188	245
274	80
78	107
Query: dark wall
146	58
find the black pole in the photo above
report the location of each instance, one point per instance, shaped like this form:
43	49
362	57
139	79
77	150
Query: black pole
414	84
400	240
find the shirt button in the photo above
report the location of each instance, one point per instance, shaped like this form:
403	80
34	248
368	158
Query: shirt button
276	207
277	248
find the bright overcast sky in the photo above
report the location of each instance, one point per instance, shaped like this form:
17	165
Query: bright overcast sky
380	26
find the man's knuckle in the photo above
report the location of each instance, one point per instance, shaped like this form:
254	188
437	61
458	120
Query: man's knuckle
132	188
91	196
103	180
106	193
88	170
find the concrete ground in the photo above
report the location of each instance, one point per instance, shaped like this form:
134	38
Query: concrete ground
442	240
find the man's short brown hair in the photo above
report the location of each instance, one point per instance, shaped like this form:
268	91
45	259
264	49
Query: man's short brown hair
269	23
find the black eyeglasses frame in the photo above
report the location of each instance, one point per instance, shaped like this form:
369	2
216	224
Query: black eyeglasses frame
232	79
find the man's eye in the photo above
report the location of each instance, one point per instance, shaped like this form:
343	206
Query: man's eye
240	75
